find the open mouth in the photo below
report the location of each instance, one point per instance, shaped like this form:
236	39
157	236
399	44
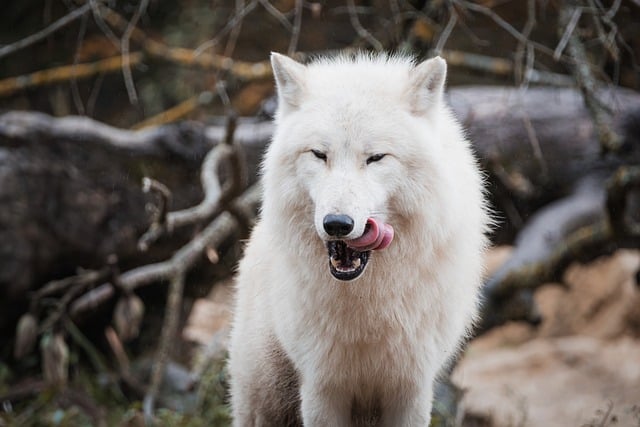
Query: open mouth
346	263
347	260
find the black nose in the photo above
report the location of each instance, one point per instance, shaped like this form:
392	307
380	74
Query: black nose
337	225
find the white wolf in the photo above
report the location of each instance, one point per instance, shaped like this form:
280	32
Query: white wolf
368	177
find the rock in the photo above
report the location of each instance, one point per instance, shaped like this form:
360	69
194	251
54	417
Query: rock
552	382
580	367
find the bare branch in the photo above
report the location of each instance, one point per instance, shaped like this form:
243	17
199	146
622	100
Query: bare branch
124	48
172	312
177	112
446	32
295	30
188	57
235	32
569	29
229	27
504	25
75	91
362	32
97	16
502	67
45	32
65	73
276	14
521	73
587	83
211	185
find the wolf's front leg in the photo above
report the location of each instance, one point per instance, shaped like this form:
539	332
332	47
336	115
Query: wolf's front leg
414	411
324	407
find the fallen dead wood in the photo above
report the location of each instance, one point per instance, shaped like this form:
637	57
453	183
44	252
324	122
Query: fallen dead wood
71	192
591	222
72	195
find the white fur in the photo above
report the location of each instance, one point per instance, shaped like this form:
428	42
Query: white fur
380	340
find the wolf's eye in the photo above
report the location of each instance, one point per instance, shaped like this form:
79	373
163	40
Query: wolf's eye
375	158
320	155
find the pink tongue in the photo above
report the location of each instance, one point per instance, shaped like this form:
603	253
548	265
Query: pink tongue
377	235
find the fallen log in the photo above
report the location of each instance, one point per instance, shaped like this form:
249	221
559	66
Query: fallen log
71	190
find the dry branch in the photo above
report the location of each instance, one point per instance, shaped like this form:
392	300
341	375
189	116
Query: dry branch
46	32
362	32
168	335
65	73
585	78
502	67
241	70
124	48
520	37
213	195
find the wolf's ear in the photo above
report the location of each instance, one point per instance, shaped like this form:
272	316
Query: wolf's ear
290	76
426	84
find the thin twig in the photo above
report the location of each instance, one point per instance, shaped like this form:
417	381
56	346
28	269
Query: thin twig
504	25
569	29
231	24
271	9
82	279
97	16
75	90
93	95
501	67
177	112
397	21
521	73
124	48
295	30
65	73
610	141
235	32
446	32
83	342
172	313
187	57
45	32
535	145
362	32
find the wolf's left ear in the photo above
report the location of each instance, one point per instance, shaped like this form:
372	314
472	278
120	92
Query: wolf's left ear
289	76
426	84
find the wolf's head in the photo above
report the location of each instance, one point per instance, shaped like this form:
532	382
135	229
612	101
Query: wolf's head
357	151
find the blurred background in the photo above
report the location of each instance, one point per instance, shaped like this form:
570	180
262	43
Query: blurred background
130	138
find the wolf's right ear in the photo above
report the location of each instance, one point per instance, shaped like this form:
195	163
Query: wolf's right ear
290	77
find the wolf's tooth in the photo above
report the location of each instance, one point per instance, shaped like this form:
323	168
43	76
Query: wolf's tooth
334	262
357	263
